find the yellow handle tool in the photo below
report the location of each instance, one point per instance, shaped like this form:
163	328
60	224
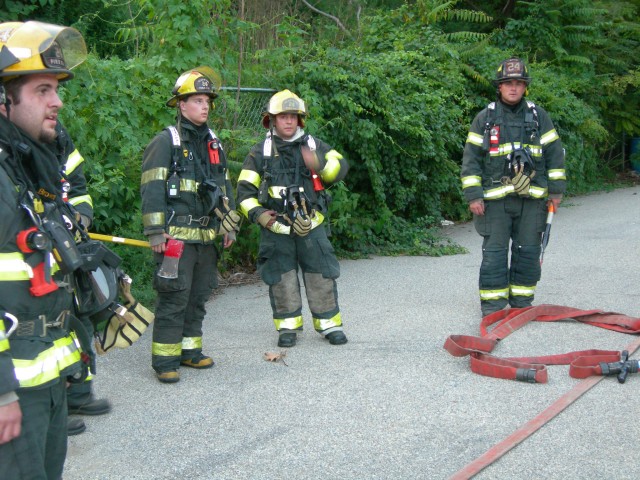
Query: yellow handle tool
124	241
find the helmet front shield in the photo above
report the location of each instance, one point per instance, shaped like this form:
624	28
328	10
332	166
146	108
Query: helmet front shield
40	48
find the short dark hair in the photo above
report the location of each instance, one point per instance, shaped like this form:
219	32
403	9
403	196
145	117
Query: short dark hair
14	86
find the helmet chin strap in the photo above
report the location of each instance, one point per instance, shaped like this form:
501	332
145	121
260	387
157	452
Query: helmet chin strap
4	100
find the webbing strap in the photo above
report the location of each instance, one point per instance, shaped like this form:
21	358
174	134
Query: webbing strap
582	363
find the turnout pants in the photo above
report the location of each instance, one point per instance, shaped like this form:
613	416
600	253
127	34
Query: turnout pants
279	258
40	450
180	306
519	221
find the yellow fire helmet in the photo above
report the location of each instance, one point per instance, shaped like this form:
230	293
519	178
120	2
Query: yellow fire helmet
36	47
284	102
200	80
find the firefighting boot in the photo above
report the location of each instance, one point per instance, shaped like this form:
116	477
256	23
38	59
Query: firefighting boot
287	339
336	338
170	376
91	406
75	426
197	361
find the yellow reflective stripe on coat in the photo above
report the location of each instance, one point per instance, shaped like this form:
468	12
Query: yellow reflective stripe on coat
471	181
283	229
4	340
322	324
537	192
475	139
557	174
154	174
191	343
494	294
291	323
153	219
81	199
504	190
193	234
251	177
48	364
499	192
549	137
249	204
13	267
274	192
73	160
166	349
522	291
188	185
332	168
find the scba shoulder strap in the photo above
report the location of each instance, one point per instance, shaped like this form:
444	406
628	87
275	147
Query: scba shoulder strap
493	119
267	146
176	141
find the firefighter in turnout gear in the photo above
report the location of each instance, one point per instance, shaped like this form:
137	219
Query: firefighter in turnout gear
513	164
80	396
38	354
187	196
282	188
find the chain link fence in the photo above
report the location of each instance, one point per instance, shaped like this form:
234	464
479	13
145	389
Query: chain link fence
242	107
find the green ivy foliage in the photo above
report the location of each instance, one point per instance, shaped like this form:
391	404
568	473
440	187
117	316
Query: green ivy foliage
395	95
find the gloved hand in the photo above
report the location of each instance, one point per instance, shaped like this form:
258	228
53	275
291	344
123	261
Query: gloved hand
229	222
521	181
267	218
302	225
229	219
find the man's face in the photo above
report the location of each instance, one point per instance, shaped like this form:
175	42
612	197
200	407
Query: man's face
36	111
196	108
286	125
511	92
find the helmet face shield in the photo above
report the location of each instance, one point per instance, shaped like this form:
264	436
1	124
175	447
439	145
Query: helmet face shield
40	48
284	102
201	80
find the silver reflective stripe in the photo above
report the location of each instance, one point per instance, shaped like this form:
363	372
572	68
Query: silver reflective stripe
175	137
312	143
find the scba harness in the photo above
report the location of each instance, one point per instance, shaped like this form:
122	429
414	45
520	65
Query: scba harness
298	208
229	219
519	167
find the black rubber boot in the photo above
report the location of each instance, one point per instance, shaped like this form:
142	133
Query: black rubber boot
93	406
287	339
75	426
336	338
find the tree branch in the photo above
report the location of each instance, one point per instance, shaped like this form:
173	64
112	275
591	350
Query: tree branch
335	19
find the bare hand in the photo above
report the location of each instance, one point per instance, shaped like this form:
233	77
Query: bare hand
556	202
10	422
310	158
229	239
163	246
477	207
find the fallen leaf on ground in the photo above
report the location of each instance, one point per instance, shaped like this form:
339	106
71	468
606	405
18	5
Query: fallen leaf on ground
275	357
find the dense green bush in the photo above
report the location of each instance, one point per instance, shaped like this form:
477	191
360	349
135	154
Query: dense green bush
395	94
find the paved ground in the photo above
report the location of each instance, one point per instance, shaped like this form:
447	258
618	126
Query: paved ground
392	403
